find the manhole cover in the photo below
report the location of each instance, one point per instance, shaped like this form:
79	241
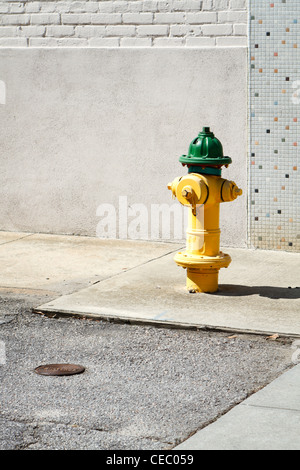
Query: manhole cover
59	369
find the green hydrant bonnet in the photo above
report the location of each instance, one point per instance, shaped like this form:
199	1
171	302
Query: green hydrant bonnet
205	150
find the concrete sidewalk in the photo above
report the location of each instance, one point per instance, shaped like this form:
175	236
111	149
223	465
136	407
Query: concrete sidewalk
138	282
268	420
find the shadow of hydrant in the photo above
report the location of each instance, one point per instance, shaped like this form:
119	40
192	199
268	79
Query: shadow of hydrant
233	290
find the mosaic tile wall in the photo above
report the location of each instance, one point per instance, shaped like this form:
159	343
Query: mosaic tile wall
274	179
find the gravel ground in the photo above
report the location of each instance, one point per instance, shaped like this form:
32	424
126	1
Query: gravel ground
143	387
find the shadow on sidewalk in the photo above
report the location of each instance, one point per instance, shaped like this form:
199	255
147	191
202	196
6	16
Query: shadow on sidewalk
264	291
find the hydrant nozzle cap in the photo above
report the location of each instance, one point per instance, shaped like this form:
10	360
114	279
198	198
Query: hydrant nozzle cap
205	150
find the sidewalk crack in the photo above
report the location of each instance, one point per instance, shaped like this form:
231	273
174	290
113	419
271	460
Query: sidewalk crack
271	407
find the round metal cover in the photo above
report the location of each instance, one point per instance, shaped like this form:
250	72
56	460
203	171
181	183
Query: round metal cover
59	369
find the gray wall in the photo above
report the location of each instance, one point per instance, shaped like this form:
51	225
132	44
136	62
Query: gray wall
82	126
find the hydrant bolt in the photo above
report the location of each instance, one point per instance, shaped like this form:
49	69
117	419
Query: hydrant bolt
187	192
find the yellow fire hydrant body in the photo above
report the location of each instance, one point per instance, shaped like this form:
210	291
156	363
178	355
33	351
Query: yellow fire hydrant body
202	190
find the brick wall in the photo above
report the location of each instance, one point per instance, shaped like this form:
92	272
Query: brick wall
114	23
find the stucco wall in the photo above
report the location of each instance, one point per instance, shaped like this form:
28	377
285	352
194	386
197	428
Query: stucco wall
83	126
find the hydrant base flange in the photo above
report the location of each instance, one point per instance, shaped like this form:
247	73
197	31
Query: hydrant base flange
188	260
202	271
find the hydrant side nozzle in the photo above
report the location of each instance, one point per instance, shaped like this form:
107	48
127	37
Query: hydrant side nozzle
230	191
235	191
190	189
173	186
238	191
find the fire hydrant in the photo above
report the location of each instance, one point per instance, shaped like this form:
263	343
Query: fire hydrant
202	190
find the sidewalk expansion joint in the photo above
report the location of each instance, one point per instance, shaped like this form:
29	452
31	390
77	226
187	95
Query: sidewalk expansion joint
135	267
16	239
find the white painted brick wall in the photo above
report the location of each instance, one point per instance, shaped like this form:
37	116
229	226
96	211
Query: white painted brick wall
122	23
